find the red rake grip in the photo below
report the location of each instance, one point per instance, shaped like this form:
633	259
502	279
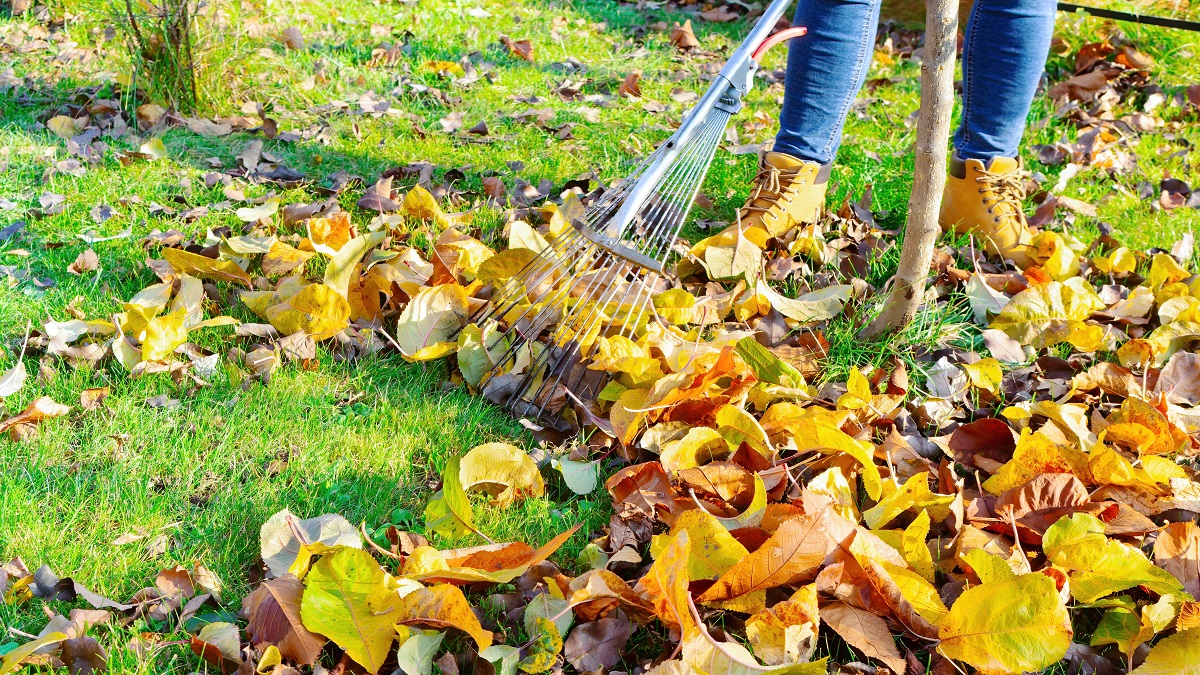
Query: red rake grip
775	39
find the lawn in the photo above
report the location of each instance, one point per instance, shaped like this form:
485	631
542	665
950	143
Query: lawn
193	480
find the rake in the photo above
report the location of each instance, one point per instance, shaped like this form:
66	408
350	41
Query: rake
599	276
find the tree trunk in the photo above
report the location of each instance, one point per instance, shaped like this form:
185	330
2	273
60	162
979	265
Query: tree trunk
929	179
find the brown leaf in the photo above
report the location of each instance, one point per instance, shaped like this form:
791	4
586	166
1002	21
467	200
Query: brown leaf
480	129
493	187
1180	379
83	655
20	425
864	631
719	14
598	644
1041	502
378	197
983	444
630	87
90	399
292	38
1082	88
683	37
642	487
85	262
522	49
1177	550
791	556
273	611
149	115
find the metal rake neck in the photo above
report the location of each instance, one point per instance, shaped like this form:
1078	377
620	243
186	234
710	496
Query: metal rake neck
723	97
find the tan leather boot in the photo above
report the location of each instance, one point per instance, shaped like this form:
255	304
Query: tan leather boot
787	192
986	202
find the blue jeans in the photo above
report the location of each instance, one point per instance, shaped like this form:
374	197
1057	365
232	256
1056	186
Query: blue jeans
1007	42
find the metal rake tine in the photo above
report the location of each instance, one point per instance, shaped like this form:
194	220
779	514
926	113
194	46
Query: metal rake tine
689	169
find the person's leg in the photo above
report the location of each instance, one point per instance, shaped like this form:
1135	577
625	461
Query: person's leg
1007	42
825	71
1003	59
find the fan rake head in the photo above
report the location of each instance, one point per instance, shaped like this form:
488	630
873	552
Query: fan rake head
597	277
542	326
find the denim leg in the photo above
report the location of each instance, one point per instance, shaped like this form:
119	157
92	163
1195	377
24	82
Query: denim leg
1007	42
825	70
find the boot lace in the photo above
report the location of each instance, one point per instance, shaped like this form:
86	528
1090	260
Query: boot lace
1003	193
769	189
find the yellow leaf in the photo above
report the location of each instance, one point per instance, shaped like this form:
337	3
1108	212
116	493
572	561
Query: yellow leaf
1051	252
787	632
701	445
1178	654
713	549
420	204
915	493
913	546
1047	314
1164	270
13	659
316	309
434	315
163	335
504	265
252	214
442	606
675	306
329	235
63	126
154	148
1036	454
1098	565
858	392
522	236
1011	625
342	265
753	515
346	599
204	267
627	414
283	258
666	584
738	426
985	374
503	471
1119	262
832	483
811	434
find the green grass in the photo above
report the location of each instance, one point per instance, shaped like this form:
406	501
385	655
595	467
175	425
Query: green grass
369	439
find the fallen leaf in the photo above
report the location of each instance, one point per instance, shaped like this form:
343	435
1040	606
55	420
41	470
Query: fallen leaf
864	631
273	613
347	600
792	555
87	261
442	606
1016	624
284	538
683	37
1177	550
503	471
629	87
598	644
522	49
